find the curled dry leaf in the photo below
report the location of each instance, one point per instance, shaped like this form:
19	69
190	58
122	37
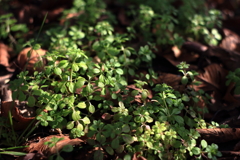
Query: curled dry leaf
41	148
219	135
19	122
34	59
229	59
4	55
231	41
214	82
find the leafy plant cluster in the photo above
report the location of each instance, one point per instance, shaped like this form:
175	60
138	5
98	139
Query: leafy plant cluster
83	86
172	21
72	91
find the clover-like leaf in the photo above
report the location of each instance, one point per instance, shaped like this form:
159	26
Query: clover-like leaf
76	115
109	150
70	125
31	101
91	108
127	138
115	143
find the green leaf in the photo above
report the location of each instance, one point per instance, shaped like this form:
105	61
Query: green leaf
100	138
76	115
115	143
59	157
120	149
119	71
31	101
127	157
237	90
80	82
114	96
63	64
204	143
22	96
91	108
127	138
82	105
86	120
96	70
70	86
98	155
179	119
109	150
75	67
185	98
196	150
57	71
70	125
80	127
67	148
36	47
125	128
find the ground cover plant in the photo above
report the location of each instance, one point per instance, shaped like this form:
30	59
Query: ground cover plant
97	79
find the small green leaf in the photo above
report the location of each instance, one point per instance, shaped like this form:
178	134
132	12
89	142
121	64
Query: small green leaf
100	138
120	149
67	148
86	120
80	127
70	125
119	71
31	101
91	108
109	150
179	119
115	143
36	47
63	64
57	71
185	98
184	80
126	128
114	96
127	157
204	143
75	67
98	155
127	138
70	86
96	70
76	115
22	96
82	105
196	151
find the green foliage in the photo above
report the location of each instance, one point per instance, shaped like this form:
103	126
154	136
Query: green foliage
83	87
53	143
234	77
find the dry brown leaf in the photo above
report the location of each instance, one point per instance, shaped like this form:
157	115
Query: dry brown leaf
35	56
213	79
41	148
231	41
229	59
213	82
4	55
19	122
219	135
